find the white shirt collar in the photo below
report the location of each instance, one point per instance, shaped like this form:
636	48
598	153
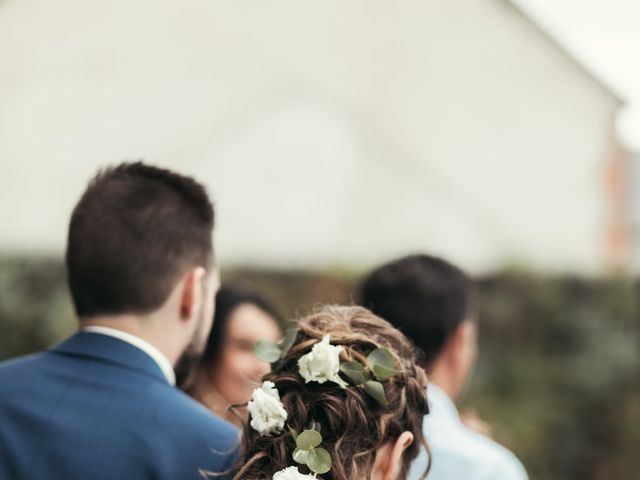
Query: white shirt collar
163	363
441	407
458	452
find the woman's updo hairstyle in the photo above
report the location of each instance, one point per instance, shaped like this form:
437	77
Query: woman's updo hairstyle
353	425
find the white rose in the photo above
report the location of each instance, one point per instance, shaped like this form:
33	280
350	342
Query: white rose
292	473
267	412
322	363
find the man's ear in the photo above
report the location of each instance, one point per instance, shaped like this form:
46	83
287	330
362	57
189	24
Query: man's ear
459	339
453	346
470	330
468	339
192	292
394	465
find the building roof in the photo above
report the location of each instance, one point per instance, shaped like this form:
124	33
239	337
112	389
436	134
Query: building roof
565	50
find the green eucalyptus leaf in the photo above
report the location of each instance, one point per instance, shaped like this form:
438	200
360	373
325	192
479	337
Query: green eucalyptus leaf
309	439
267	351
293	432
319	461
383	373
376	391
355	371
382	356
288	340
301	456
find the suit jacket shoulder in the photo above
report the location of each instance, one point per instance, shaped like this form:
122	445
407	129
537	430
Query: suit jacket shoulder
100	408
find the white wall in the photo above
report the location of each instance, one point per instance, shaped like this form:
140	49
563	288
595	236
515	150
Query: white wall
330	133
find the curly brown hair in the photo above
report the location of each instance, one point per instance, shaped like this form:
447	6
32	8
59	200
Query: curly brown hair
353	425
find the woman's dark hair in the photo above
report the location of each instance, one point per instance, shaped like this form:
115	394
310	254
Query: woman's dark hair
229	298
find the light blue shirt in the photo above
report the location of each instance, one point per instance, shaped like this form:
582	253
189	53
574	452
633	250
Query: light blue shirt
458	453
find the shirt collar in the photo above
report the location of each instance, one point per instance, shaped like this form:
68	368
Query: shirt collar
156	355
441	407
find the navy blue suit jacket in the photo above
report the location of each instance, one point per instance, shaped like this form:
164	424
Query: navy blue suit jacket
95	407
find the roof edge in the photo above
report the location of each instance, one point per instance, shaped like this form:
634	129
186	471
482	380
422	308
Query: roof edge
556	43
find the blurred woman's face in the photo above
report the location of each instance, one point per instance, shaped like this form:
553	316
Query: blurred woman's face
238	370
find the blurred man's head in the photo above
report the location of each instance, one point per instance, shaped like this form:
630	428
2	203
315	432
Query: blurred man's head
140	256
430	300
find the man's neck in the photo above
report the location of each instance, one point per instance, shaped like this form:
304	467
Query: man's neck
445	381
140	327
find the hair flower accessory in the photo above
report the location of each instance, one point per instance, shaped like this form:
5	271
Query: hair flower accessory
380	367
267	412
322	363
292	473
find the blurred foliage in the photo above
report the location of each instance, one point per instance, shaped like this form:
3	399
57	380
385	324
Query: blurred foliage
558	376
559	373
35	309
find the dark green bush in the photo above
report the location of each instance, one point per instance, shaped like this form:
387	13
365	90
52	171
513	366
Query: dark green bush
558	375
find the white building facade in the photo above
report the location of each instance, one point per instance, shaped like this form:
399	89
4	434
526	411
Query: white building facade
329	133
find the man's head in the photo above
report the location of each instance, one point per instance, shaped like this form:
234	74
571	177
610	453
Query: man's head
140	247
430	300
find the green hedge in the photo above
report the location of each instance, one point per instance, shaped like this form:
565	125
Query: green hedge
35	309
558	375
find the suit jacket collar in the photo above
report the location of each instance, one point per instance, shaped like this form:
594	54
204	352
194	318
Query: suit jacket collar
111	350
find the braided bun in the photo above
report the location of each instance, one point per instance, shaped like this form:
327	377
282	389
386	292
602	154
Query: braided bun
353	425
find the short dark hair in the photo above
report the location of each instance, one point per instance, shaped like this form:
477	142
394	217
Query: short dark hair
135	231
425	297
228	298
